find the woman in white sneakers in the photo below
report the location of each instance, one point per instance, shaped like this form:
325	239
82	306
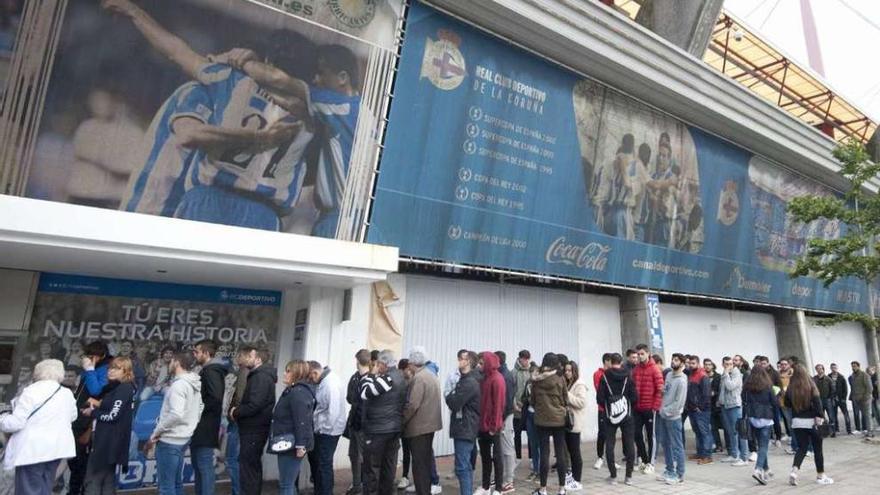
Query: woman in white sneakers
807	416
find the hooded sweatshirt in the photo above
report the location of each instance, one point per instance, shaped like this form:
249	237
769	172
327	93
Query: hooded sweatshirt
614	379
549	397
181	410
492	395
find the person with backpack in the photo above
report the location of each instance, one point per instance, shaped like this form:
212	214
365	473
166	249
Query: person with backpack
760	406
291	434
618	394
669	426
549	399
807	415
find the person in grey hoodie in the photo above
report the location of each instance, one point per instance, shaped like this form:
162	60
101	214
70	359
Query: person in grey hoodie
669	425
329	423
730	400
180	413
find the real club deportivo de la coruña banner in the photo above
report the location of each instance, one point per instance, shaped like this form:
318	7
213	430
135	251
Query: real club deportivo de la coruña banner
495	157
146	322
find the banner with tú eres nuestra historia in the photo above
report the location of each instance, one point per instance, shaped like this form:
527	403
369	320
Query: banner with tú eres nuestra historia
147	322
495	157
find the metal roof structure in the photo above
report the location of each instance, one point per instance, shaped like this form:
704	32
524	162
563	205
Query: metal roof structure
743	55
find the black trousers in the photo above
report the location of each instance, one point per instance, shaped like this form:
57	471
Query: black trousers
519	426
857	416
78	466
806	436
559	446
422	460
841	405
407	456
573	442
627	431
718	433
380	463
490	455
644	421
600	440
250	460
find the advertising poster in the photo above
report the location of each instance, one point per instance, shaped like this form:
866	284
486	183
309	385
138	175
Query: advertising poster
147	322
238	112
523	165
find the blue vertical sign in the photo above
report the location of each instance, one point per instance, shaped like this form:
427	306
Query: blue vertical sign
652	304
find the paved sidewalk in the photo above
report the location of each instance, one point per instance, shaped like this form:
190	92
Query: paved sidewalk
853	463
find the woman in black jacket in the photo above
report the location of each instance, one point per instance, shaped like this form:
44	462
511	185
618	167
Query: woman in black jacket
293	415
112	414
806	413
760	407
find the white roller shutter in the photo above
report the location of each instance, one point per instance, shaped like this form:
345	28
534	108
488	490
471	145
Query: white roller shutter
841	344
446	315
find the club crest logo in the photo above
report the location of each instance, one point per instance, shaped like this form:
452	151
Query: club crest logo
728	204
353	13
443	64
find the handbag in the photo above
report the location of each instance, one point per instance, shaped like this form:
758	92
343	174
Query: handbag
743	427
281	444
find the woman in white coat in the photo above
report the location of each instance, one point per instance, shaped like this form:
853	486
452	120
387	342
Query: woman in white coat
577	403
40	427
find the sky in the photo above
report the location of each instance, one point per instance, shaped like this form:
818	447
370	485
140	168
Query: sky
849	42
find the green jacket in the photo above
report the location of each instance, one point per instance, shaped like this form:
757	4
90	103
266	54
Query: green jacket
860	387
522	377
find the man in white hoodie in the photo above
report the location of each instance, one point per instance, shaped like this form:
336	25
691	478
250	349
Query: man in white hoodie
329	418
180	413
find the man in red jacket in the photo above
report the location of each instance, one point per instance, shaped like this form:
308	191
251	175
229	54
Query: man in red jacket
649	387
492	401
600	442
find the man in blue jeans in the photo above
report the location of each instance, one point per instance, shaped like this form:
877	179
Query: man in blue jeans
464	422
699	403
180	413
206	438
668	427
730	400
329	422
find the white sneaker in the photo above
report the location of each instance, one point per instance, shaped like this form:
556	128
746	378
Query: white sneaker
792	477
641	467
738	463
568	477
481	491
785	438
649	469
809	454
404	482
729	458
599	463
410	489
573	486
760	477
436	489
824	480
753	457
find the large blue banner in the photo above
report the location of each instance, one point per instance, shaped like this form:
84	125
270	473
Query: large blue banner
495	157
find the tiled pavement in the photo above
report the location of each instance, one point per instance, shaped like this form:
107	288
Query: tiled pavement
854	465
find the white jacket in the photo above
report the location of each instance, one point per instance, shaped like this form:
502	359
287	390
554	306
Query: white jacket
181	410
330	416
46	436
577	404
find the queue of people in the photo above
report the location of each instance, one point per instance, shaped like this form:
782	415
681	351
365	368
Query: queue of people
396	404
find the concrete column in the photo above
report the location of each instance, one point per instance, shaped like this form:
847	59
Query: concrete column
688	24
871	344
791	336
633	320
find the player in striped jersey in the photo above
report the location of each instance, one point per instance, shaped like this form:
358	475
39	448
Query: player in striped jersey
158	186
334	102
248	165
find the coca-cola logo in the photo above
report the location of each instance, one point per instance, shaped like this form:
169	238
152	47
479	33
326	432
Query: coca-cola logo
592	256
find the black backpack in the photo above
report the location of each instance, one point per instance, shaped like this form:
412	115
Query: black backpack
617	405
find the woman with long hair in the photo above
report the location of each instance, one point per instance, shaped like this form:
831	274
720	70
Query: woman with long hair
293	416
577	404
807	414
549	398
112	414
760	407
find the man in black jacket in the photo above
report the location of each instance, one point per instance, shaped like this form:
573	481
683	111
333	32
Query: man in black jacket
254	418
206	438
617	382
354	429
92	381
839	394
464	421
383	391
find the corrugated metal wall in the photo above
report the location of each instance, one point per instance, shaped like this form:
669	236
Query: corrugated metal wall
447	315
